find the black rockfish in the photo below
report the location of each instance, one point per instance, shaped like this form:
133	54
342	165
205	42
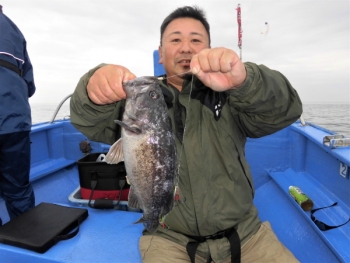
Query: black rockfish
148	147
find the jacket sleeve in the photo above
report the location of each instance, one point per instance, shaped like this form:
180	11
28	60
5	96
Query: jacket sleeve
266	102
94	121
28	74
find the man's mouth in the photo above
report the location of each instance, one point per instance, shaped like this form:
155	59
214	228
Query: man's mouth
184	62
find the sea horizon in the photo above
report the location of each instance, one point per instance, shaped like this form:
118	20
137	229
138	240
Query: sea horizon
331	116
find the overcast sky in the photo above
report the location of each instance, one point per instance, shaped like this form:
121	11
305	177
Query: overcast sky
308	41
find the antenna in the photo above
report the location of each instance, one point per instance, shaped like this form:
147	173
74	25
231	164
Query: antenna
239	21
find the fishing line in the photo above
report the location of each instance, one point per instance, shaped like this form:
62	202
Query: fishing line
144	254
181	150
162	78
177	189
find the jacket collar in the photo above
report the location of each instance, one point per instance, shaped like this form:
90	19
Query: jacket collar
212	99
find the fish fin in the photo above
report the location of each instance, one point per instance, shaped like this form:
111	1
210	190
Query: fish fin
115	153
177	193
141	220
150	225
127	180
125	126
133	202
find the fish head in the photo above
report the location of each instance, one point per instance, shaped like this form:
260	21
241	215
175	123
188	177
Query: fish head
145	103
137	85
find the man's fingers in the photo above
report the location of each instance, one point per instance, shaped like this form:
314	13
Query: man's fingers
218	68
214	60
226	61
98	97
210	60
128	76
195	70
106	84
114	89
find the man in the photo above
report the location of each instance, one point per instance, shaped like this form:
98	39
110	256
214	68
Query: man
16	86
215	218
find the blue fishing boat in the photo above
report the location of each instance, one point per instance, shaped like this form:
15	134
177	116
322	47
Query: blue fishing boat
304	155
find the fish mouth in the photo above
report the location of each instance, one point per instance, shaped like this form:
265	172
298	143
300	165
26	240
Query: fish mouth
137	121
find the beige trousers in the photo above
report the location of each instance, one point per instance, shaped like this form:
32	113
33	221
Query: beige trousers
262	247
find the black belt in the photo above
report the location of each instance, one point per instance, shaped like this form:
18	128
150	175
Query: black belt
10	66
232	236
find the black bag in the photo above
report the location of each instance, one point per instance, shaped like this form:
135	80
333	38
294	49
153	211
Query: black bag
102	182
42	227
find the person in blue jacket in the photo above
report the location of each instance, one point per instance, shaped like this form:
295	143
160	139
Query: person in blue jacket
16	86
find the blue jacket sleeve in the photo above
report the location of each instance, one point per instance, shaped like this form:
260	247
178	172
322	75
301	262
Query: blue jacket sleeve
28	74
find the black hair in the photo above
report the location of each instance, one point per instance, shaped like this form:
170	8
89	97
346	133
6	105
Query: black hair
185	12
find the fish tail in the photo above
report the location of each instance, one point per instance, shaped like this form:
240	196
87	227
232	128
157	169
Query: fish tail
133	201
150	225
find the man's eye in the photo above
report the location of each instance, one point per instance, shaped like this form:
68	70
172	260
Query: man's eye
175	40
196	40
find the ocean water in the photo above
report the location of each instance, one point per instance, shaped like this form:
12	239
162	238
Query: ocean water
333	117
44	112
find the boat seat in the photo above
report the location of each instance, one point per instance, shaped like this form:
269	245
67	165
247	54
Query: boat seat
338	238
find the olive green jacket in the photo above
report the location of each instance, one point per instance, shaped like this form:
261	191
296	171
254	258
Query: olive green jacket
215	182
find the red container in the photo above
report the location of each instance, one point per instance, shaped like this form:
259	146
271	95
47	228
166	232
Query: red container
105	194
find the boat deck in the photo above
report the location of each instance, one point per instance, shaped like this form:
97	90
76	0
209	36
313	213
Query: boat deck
293	156
105	236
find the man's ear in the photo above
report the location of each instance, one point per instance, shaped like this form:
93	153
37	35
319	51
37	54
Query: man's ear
160	55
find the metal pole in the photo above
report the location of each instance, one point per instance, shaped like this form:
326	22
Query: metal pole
58	108
239	21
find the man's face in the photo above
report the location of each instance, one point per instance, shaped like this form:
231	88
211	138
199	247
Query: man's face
182	38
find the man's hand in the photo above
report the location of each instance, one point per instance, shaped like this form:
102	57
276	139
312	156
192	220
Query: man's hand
105	85
219	68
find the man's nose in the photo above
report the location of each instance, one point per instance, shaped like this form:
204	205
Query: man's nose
186	47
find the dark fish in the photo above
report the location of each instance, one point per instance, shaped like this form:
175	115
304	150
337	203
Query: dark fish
148	147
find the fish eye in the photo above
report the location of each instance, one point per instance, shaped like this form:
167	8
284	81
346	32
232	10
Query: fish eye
154	95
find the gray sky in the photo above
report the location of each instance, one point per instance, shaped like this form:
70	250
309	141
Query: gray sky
308	40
